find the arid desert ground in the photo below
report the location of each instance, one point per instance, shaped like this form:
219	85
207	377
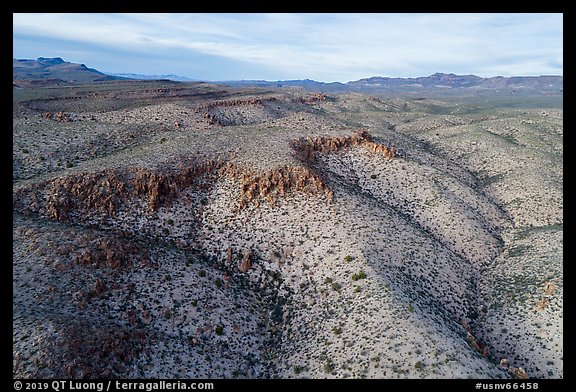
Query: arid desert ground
194	230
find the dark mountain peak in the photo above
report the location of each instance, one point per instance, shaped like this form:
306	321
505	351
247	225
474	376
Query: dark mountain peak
442	75
50	60
54	70
372	79
452	76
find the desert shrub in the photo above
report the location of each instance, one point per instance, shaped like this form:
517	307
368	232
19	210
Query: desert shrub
298	369
359	275
348	258
219	330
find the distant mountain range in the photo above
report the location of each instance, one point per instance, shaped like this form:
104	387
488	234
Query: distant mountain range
470	82
438	82
176	78
57	71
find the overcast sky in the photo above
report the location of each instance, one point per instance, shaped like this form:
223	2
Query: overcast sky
323	47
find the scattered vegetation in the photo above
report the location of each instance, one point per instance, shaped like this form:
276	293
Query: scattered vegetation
328	367
359	275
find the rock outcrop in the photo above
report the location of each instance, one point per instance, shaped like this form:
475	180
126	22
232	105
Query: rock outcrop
105	191
212	120
310	98
235	102
307	99
519	373
211	111
306	148
474	343
247	261
107	251
82	351
59	116
269	186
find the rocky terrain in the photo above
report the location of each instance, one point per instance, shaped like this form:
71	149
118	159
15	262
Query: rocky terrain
190	230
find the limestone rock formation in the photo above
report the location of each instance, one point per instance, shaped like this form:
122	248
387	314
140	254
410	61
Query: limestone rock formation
213	111
475	344
105	191
310	98
107	252
274	184
105	350
519	373
59	116
306	148
247	261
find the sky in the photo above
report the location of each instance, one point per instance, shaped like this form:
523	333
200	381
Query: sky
325	47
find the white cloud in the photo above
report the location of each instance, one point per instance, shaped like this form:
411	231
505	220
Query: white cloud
326	46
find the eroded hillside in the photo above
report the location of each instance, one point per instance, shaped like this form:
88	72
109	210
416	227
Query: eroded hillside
250	233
